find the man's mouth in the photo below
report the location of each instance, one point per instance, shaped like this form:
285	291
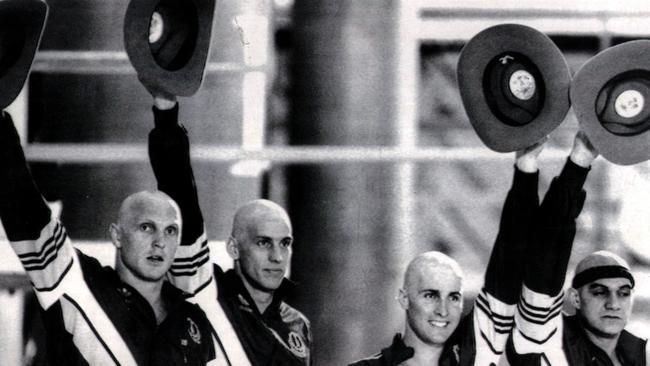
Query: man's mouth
438	323
611	317
156	259
275	272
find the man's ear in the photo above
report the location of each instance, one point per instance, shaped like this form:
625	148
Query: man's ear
574	297
116	236
403	299
232	248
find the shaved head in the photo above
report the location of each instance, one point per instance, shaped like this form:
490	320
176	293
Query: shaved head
145	201
261	245
253	213
432	296
426	262
146	235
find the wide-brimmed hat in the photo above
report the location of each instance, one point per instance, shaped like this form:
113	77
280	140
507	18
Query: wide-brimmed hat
168	42
611	99
514	83
21	27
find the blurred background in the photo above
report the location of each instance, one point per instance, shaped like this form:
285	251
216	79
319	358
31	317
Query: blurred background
347	113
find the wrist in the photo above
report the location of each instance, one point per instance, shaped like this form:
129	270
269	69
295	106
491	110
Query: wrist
581	159
527	165
164	104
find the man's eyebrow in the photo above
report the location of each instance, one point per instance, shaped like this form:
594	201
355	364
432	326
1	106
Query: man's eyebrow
435	291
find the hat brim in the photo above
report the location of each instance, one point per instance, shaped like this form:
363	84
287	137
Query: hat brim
587	84
31	15
184	81
538	48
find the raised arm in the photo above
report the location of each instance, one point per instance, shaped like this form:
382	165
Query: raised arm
495	304
40	242
169	153
537	335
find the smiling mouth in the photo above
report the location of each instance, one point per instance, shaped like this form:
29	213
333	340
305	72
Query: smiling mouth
438	323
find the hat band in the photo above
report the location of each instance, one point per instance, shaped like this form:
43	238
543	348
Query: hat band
596	273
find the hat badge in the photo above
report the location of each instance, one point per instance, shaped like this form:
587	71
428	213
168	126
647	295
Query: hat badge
629	103
522	84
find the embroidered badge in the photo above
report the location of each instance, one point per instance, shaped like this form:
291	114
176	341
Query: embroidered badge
297	344
194	331
244	305
456	350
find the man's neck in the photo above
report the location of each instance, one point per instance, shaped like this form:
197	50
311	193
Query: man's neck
607	344
425	354
151	291
262	298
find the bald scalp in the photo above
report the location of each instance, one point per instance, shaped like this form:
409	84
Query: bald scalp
142	201
429	260
252	213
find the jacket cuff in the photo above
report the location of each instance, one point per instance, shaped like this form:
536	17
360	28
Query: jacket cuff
165	118
523	181
573	174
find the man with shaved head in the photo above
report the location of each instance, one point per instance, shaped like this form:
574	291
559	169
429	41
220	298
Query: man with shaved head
431	275
97	315
245	305
436	333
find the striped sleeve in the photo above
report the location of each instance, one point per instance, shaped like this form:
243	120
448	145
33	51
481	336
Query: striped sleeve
493	322
46	260
39	240
191	270
169	154
537	318
537	338
495	305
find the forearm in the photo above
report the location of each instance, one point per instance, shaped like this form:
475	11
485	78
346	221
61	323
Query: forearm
504	273
41	243
555	228
23	211
169	153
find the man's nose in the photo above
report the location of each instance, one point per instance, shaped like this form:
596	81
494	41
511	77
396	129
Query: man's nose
442	308
276	254
613	302
158	241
